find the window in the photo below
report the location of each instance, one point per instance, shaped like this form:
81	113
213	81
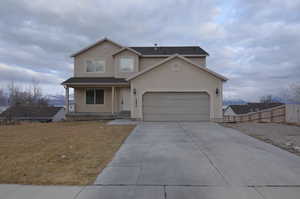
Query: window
95	66
126	64
94	96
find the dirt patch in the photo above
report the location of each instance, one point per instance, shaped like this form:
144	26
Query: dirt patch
284	136
70	153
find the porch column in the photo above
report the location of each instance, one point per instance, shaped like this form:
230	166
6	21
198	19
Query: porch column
67	99
112	99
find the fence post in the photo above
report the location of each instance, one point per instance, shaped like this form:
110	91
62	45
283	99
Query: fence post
285	114
271	115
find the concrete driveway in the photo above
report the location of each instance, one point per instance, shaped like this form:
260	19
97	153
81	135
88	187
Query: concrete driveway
197	160
194	160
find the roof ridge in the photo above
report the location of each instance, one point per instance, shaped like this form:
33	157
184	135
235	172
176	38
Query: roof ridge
160	46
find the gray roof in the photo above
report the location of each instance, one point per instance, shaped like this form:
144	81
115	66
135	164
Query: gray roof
170	50
252	107
31	111
95	80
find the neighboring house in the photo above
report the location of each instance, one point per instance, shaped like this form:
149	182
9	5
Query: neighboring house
34	113
3	108
148	83
249	107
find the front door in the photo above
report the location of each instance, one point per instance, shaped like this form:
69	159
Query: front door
125	99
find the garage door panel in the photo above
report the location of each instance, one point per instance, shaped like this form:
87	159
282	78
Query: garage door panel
172	117
166	97
172	106
178	110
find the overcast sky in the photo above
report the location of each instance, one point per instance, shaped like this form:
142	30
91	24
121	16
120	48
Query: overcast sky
254	43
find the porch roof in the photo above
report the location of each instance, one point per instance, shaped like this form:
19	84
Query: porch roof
73	81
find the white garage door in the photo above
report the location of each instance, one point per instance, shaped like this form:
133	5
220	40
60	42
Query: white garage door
176	106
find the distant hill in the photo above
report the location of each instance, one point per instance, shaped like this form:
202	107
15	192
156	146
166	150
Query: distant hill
284	100
56	100
227	102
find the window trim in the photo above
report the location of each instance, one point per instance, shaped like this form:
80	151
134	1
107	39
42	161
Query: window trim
126	57
98	59
94	91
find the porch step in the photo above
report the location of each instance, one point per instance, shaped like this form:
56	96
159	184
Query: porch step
89	117
124	114
97	116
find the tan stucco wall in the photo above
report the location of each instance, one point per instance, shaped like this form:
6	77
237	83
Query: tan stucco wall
105	51
198	60
146	62
187	78
81	106
125	53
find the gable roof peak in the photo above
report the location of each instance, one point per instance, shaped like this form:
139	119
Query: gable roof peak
182	58
95	44
127	48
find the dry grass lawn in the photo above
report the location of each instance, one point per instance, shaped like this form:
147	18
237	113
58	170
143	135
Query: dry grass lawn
70	153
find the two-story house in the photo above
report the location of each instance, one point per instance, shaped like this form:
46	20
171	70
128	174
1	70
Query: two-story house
170	83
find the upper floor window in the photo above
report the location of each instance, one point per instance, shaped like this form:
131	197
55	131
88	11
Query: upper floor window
95	66
126	64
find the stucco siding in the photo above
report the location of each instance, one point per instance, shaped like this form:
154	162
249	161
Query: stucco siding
198	60
146	62
177	75
103	51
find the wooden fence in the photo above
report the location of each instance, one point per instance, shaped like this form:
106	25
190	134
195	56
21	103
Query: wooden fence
276	114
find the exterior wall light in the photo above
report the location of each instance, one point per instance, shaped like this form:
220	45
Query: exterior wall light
217	91
134	91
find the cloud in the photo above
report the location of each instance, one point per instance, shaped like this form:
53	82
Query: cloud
254	43
21	75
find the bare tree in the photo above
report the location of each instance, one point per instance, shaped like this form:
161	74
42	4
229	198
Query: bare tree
3	98
267	99
33	96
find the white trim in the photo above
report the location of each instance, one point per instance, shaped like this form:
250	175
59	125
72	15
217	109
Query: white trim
180	57
95	44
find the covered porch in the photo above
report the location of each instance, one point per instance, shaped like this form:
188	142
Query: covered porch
97	98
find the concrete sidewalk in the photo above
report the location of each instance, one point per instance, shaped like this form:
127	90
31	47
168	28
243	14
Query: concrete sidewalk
8	191
146	192
185	160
